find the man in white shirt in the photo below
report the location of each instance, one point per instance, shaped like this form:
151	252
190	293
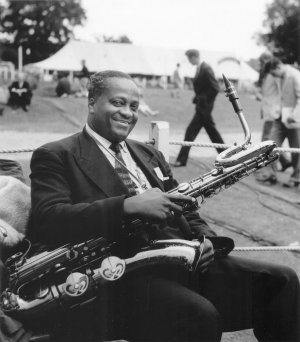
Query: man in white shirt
81	191
288	125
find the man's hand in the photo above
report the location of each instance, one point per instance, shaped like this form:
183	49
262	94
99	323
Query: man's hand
155	205
291	120
207	255
19	91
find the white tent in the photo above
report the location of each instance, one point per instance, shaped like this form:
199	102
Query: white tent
139	60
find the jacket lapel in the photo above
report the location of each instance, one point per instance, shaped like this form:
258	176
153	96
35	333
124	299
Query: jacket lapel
145	162
95	165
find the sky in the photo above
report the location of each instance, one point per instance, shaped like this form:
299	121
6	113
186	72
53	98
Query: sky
226	25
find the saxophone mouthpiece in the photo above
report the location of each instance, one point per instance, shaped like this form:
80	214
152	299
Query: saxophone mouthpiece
232	95
226	81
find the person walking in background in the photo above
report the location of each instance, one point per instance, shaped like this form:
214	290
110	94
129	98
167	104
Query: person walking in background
84	71
206	89
178	82
84	78
270	96
20	93
288	124
63	88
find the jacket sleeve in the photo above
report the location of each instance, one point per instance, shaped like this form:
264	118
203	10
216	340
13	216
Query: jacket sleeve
56	219
212	84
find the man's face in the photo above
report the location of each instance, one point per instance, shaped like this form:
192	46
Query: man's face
194	60
115	112
262	62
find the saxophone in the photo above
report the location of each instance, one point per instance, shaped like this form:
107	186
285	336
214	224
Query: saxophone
72	275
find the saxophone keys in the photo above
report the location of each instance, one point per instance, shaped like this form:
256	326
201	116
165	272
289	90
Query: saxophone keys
43	291
76	284
112	268
183	187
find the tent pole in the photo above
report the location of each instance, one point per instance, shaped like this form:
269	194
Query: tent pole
20	58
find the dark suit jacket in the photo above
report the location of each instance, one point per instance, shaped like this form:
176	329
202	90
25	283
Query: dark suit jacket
205	85
76	193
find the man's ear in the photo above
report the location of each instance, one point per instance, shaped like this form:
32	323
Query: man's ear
91	106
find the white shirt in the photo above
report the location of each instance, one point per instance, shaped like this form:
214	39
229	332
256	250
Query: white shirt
131	165
198	69
271	94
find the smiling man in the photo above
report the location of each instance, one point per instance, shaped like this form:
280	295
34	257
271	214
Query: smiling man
89	184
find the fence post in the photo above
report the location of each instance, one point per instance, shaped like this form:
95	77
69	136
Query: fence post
160	132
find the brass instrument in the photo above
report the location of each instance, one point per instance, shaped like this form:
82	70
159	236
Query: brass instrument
71	275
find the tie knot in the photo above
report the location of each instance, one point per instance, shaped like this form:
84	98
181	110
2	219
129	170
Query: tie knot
116	147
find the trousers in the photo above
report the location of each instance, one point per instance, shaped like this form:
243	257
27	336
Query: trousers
173	305
278	133
202	118
266	132
20	100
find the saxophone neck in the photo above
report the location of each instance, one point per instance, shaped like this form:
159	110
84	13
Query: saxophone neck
232	152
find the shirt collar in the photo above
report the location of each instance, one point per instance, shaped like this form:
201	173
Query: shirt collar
102	141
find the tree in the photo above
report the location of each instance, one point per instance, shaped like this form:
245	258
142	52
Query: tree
121	39
110	39
283	30
41	27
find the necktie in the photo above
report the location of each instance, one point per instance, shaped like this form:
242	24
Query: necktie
122	171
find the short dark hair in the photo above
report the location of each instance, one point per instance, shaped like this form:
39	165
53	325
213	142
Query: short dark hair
192	53
98	83
272	64
265	57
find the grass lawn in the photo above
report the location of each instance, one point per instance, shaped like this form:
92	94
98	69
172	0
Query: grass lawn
48	113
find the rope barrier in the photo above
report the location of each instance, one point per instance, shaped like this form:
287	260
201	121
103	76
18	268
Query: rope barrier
288	149
224	146
17	150
266	248
191	143
151	142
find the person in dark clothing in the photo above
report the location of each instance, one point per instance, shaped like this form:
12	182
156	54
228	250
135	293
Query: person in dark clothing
206	89
84	71
83	78
63	87
81	190
20	93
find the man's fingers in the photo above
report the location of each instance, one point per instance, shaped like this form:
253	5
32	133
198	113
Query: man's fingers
180	198
175	207
204	266
207	258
